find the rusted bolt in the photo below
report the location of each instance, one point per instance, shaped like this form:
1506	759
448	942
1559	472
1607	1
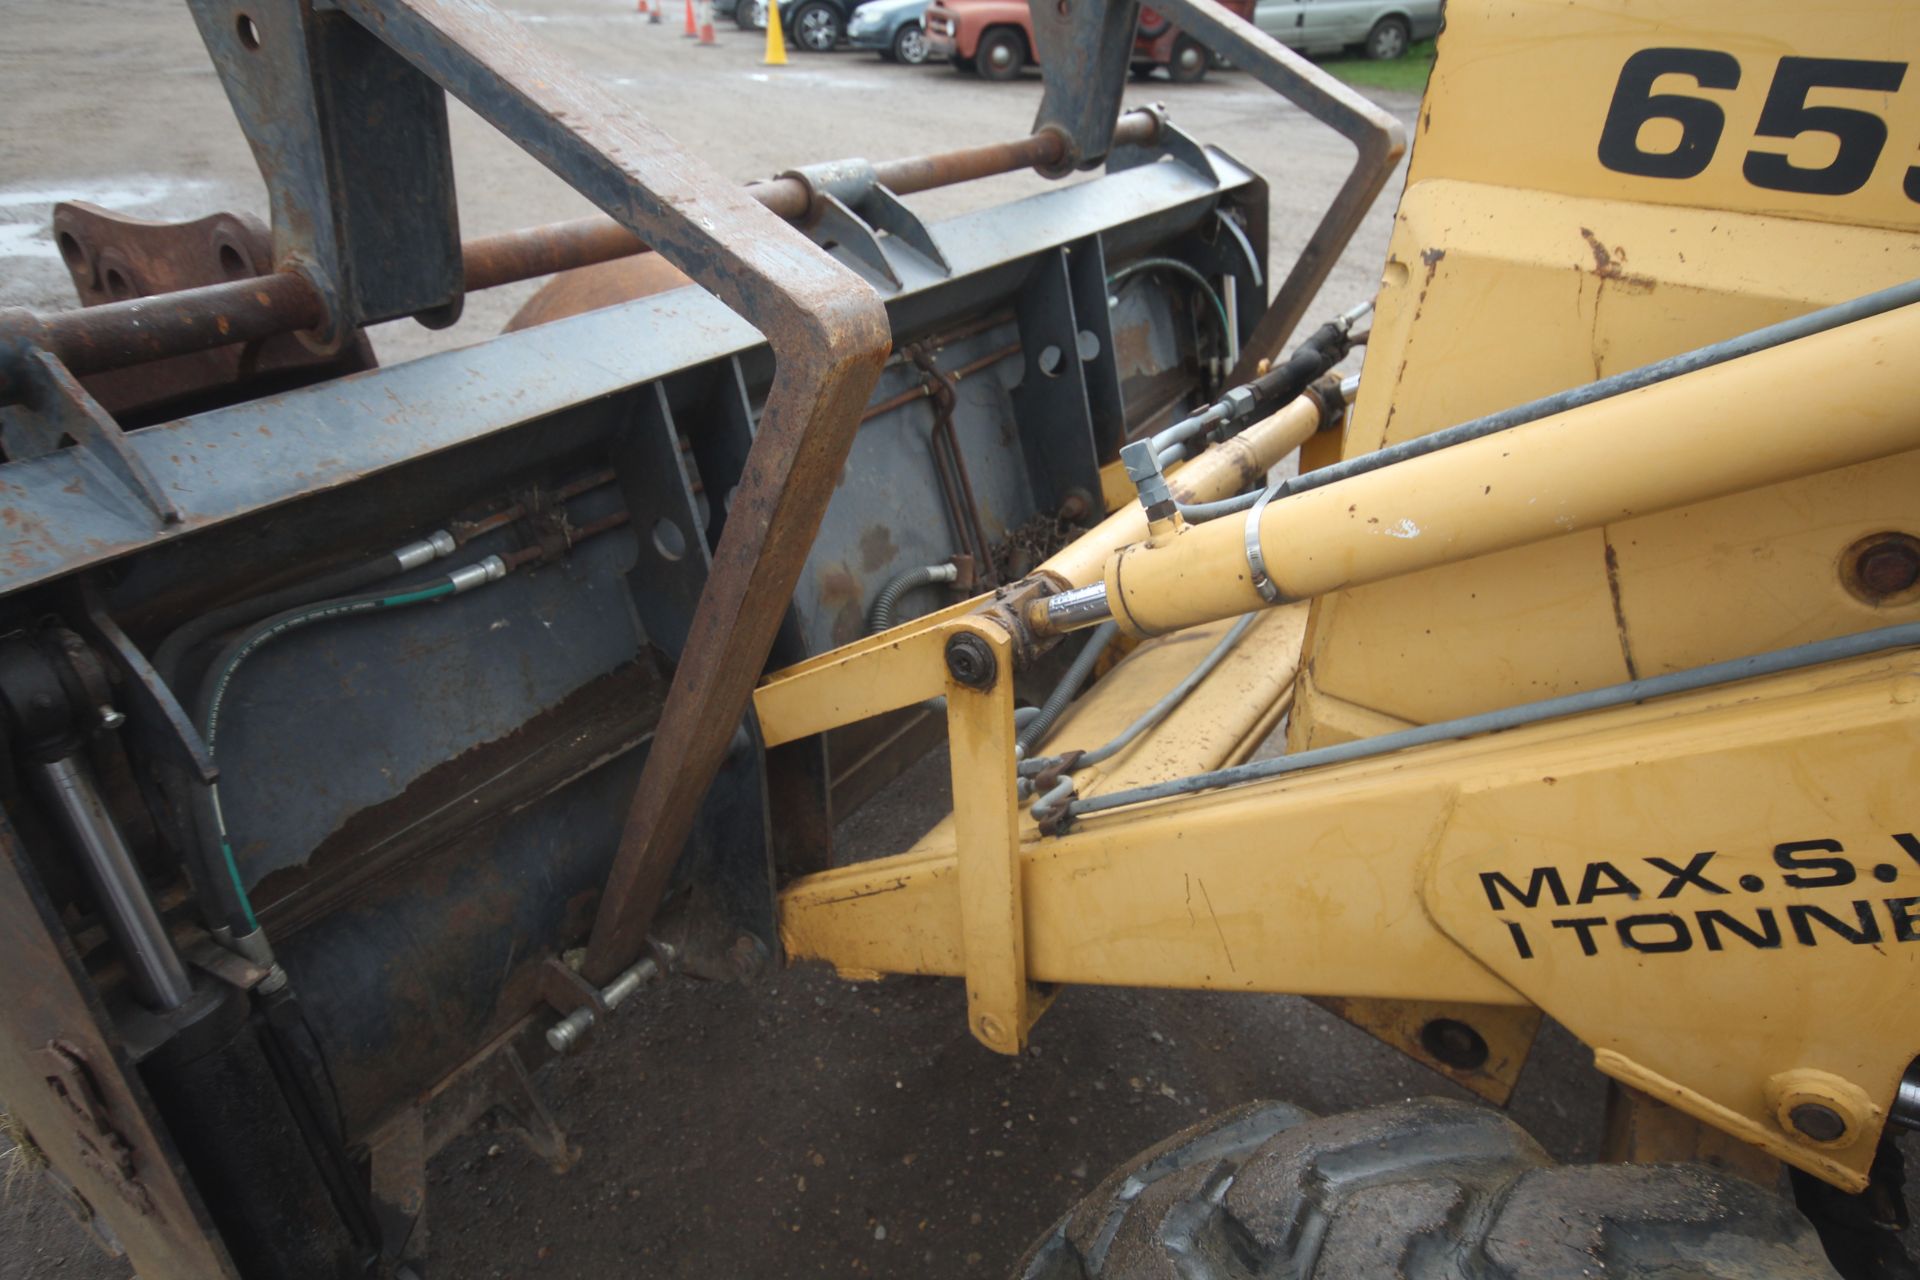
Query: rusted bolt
970	661
747	957
1889	568
1819	1122
1454	1043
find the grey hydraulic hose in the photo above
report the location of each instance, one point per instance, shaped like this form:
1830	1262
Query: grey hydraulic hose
1076	675
1796	658
880	616
1061	792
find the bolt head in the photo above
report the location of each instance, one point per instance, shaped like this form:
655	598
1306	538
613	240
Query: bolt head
991	1030
1889	568
1818	1122
970	661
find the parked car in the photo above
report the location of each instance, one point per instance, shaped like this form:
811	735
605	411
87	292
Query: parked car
891	28
815	26
995	38
1383	29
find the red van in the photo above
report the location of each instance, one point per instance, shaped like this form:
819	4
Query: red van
995	39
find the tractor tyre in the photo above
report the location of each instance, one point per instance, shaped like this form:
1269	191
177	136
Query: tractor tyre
1422	1190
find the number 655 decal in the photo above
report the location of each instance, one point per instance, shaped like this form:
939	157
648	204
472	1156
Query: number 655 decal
1861	135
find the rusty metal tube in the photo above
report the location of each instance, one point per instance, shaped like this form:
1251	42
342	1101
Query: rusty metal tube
115	335
120	334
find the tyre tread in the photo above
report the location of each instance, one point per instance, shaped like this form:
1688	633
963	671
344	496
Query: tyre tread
1421	1190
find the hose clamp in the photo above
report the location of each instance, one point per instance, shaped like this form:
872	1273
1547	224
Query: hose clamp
1256	559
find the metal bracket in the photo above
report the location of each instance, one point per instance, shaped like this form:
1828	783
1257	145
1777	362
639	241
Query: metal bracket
1070	392
1094	44
54	406
318	96
847	205
1170	141
151	696
884	210
1376	136
834	223
1001	1004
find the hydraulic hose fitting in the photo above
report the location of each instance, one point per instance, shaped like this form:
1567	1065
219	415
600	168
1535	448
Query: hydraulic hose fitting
468	577
1156	499
435	545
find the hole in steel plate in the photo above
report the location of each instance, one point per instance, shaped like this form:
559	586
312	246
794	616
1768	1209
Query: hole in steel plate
248	30
1454	1043
668	540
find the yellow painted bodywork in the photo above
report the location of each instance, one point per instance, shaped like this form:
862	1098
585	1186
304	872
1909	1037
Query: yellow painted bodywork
1520	266
1719	892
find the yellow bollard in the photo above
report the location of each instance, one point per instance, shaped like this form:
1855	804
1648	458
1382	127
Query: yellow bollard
776	39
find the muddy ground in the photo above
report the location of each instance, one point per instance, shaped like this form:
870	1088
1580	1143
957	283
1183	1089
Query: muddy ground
806	1126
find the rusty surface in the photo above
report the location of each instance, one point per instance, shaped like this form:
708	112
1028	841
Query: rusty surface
445	806
602	284
829	336
1376	136
119	334
177	322
70	1087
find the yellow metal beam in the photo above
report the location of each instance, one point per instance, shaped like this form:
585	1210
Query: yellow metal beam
894	669
1566	865
1000	1006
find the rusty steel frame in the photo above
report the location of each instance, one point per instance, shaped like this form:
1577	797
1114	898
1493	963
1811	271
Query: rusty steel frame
1377	137
829	334
1099	39
133	331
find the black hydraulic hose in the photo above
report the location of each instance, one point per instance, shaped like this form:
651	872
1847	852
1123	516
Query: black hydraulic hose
1773	335
1035	730
1818	652
880	616
212	844
190	635
1288	381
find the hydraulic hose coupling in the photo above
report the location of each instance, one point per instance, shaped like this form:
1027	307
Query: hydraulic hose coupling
425	551
1143	468
467	577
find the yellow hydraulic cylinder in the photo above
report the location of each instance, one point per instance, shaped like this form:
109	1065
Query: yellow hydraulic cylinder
1846	396
1236	464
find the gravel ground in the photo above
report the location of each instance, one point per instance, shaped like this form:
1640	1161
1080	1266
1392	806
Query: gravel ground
806	1126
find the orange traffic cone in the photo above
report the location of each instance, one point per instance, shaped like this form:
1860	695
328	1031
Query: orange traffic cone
706	24
776	40
692	32
641	7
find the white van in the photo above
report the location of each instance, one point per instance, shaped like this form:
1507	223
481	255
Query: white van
1383	30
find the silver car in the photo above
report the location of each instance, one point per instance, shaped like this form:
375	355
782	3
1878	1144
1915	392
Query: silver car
1383	29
